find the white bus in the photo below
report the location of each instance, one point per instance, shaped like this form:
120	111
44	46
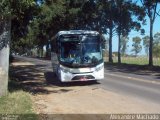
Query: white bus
79	54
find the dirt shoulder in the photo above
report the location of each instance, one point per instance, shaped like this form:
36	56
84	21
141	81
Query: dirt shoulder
87	100
50	97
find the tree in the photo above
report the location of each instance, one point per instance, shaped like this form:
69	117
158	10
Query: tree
146	44
107	12
136	45
23	11
53	16
125	21
5	18
118	17
152	11
124	41
156	45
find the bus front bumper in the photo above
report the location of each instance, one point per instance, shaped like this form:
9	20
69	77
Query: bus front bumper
66	76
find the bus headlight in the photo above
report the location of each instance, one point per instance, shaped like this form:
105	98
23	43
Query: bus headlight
99	68
64	70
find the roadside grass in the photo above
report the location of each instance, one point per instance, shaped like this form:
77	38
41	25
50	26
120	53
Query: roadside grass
136	60
18	103
132	60
137	63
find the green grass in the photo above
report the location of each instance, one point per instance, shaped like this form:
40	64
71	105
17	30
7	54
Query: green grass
17	103
137	60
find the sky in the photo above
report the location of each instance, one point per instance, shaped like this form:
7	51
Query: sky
156	28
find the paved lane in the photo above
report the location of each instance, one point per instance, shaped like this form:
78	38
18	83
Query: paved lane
134	87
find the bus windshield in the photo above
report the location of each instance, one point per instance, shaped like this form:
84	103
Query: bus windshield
80	50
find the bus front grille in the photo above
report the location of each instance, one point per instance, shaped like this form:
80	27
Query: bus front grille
83	77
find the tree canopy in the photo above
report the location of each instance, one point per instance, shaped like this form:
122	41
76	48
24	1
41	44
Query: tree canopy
4	22
35	22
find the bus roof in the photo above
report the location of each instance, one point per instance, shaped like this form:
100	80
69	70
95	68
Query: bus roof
78	32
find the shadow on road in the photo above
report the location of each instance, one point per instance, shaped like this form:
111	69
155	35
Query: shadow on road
28	78
134	69
36	79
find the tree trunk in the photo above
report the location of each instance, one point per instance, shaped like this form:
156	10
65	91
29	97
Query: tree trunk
119	48
151	44
4	56
4	65
110	45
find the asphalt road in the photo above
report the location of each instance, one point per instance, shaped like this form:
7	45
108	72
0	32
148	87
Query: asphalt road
140	85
